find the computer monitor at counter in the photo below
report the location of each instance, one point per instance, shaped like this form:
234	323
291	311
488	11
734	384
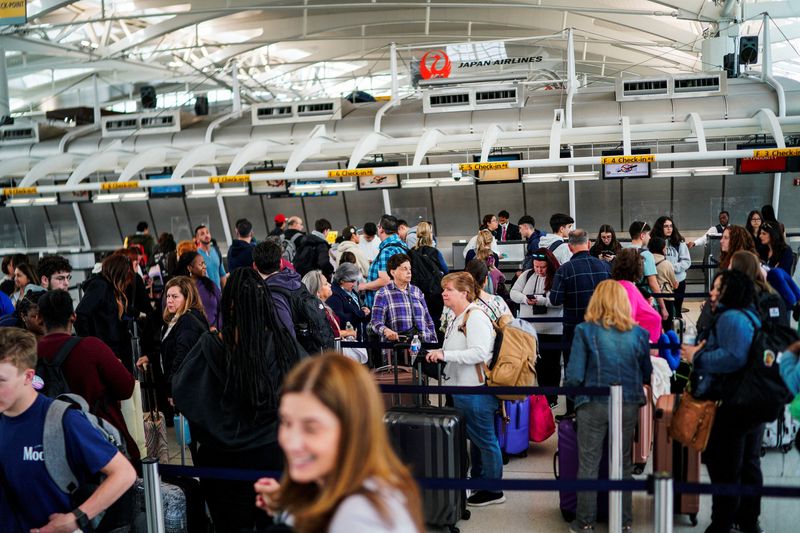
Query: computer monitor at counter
511	254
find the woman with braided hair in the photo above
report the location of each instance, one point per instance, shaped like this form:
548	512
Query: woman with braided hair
227	387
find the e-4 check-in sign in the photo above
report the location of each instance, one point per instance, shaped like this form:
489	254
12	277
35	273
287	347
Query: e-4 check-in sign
623	159
13	12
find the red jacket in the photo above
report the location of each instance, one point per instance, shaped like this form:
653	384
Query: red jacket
94	372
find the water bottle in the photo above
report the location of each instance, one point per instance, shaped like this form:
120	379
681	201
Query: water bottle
690	335
416	346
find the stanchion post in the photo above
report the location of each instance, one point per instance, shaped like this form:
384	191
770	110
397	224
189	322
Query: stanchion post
615	456
662	502
154	509
337	344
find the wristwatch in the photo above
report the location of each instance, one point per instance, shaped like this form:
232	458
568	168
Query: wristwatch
81	519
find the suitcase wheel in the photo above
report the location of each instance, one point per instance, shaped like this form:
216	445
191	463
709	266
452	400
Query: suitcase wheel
505	458
693	519
786	448
638	469
466	514
763	451
453	529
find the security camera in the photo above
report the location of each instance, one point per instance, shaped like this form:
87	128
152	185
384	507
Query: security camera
456	173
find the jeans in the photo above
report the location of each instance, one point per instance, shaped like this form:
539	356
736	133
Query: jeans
733	456
592	419
485	455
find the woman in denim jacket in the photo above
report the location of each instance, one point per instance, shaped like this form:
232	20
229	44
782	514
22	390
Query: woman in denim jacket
608	348
733	452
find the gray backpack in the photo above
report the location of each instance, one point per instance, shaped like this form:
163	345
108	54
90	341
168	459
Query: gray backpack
289	247
55	451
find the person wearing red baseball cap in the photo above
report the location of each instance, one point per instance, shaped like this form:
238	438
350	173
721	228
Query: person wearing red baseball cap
280	225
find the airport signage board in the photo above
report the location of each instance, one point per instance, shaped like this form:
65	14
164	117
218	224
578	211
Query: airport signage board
13	12
438	64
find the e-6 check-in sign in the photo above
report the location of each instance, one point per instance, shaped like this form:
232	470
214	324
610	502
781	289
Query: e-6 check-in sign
13	12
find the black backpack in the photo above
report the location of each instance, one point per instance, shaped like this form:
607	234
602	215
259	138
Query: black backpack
51	373
305	259
757	393
311	325
425	272
553	247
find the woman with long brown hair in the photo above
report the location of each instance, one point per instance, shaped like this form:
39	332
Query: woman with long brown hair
102	311
734	238
341	474
184	323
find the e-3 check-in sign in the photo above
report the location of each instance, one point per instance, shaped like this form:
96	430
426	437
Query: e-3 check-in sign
13	12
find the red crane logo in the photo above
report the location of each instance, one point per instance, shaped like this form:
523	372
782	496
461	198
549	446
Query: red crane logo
435	64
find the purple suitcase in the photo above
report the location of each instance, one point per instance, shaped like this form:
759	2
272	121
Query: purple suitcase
565	466
513	436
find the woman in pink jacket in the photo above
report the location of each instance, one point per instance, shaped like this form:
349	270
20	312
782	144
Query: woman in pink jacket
628	270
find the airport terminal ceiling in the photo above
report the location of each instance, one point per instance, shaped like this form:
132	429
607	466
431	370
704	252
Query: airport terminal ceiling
224	88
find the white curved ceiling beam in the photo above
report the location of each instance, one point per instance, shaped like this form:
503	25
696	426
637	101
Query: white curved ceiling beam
698	130
426	143
205	153
51	165
252	151
16	165
308	148
155	30
490	137
108	160
154	157
771	125
368	144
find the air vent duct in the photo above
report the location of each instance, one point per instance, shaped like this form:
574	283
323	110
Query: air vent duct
504	96
677	86
167	121
26	133
306	111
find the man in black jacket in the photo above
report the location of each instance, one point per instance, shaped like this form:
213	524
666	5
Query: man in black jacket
313	252
240	254
506	231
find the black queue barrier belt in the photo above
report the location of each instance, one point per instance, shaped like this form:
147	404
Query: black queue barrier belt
539	485
474	391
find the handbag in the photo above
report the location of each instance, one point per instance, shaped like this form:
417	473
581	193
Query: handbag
155	427
692	421
542	423
134	416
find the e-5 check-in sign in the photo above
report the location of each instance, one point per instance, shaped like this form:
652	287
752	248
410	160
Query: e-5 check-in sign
13	12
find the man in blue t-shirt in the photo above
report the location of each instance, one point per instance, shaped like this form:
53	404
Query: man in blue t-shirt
30	499
215	270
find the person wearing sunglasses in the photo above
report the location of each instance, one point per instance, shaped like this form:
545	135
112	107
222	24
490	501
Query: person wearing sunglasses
531	291
55	273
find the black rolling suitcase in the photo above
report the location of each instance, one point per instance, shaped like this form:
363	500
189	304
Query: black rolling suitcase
433	441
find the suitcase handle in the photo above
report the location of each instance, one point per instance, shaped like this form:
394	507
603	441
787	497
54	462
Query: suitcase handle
555	465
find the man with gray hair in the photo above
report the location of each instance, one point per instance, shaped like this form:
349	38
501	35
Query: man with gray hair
573	286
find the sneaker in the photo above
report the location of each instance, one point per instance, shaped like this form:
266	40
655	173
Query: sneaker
483	498
627	529
565	416
579	527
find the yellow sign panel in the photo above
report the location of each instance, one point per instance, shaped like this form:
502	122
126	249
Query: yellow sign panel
113	185
622	159
239	178
13	12
11	191
775	152
349	173
498	165
383	98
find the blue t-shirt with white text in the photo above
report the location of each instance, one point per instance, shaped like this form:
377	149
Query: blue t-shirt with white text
22	464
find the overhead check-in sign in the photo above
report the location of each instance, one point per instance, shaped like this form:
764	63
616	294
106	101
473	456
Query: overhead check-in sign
116	185
767	153
13	12
351	172
498	165
625	159
238	178
13	191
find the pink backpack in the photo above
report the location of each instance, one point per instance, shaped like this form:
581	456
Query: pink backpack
543	425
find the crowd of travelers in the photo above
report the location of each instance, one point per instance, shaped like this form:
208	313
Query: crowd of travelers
230	346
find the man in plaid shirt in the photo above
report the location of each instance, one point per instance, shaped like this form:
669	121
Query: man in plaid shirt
400	306
391	244
573	286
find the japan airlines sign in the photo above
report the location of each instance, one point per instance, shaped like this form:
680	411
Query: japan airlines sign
437	64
